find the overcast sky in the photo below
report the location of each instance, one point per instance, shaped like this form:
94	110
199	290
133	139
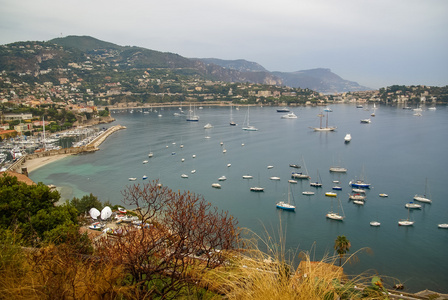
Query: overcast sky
376	43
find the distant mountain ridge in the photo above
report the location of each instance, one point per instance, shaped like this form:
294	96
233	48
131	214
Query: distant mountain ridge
129	57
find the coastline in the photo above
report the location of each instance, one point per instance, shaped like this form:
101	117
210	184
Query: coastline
35	163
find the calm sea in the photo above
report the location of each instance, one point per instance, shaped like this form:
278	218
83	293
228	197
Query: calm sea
397	153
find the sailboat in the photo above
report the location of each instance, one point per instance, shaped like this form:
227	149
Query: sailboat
406	222
257	188
374	108
423	198
326	128
287	206
336	216
317	183
232	123
192	117
247	126
297	175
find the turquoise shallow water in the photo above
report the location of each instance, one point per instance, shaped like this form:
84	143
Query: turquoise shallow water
395	153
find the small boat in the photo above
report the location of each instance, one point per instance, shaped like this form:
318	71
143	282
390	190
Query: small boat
150	154
406	222
359	191
274	178
356	197
383	195
432	108
222	178
337	188
296	175
287	206
290	115
338	169
145	162
316	184
256	189
294	166
184	176
366	121
182	160
423	198
347	138
144	177
358	106
328	109
216	185
122	210
331	194
359	202
292	181
335	181
208	126
307	193
270	167
412	205
443	225
193	171
247	177
194	156
246	125
132	179
359	183
336	216
96	226
375	223
282	110
228	165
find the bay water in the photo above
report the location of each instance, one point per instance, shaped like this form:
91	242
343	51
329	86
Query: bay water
397	153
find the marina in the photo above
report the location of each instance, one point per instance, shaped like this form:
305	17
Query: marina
387	154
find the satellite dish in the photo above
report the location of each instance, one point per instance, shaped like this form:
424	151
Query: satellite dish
106	213
94	213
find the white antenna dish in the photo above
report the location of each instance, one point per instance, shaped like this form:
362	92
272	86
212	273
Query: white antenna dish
94	213
106	213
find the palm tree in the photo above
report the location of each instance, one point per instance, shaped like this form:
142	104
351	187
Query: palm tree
341	245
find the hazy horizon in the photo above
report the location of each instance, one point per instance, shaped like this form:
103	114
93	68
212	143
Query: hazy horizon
376	43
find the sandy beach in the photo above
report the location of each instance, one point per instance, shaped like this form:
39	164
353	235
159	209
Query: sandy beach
36	163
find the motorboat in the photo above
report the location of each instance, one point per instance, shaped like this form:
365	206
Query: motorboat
270	167
375	223
132	178
145	162
274	178
216	185
247	177
144	177
208	126
337	188
290	115
348	138
383	195
294	166
282	110
443	225
366	121
222	178
328	109
316	184
184	176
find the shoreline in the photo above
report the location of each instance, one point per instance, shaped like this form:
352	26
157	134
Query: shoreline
36	163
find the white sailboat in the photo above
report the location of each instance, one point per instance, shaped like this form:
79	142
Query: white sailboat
406	222
287	206
192	117
336	215
423	198
232	123
247	125
326	128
